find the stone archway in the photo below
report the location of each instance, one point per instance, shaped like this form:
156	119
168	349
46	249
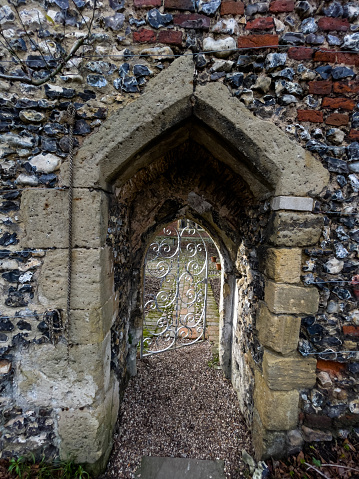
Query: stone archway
266	167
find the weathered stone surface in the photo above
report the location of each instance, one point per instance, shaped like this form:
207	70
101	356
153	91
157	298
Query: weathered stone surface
278	410
89	326
108	152
222	48
284	265
310	435
289	299
92	279
295	229
87	433
287	373
267	443
278	332
45	216
292	203
46	378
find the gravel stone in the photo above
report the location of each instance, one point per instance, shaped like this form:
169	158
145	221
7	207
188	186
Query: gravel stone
178	406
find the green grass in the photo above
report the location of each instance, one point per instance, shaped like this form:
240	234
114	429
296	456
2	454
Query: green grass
23	468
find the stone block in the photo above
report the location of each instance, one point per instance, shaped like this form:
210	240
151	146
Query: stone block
89	326
46	218
290	299
295	203
278	410
267	443
295	229
86	434
284	265
287	373
280	333
46	378
92	279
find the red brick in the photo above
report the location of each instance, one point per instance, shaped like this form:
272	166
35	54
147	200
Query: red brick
316	421
310	115
343	103
330	366
282	6
337	119
346	87
170	37
265	23
252	41
232	8
351	330
192	20
337	24
323	56
348	58
320	87
354	135
147	3
180	5
300	53
144	36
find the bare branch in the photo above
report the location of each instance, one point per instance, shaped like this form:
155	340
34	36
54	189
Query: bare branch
41	81
316	470
339	465
30	39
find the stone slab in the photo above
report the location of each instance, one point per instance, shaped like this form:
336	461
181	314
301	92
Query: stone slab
289	299
180	468
290	228
46	218
284	264
287	373
278	332
92	279
295	203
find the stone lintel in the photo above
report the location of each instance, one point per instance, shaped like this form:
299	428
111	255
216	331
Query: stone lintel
295	203
288	373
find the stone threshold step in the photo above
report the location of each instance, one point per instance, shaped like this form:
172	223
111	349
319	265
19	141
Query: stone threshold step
179	468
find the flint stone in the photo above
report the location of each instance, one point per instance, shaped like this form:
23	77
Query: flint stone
334	9
53	91
354	183
5	366
222	66
141	71
333	266
353	151
355	120
98	81
309	26
313	39
158	53
227	44
336	136
287	73
236	80
115	22
340	251
157	19
31	116
229	26
351	11
324	71
303	9
6	15
354	167
337	166
351	42
288	99
342	72
333	40
292	39
15	141
275	60
46	163
32	17
208	7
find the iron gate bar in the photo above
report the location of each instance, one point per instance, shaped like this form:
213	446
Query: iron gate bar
178	308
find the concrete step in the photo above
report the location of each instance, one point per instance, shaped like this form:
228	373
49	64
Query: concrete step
179	468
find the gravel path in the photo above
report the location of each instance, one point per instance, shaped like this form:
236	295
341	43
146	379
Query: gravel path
178	406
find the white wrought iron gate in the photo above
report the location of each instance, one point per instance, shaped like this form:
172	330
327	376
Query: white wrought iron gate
175	289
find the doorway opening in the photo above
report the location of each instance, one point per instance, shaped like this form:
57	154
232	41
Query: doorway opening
181	288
